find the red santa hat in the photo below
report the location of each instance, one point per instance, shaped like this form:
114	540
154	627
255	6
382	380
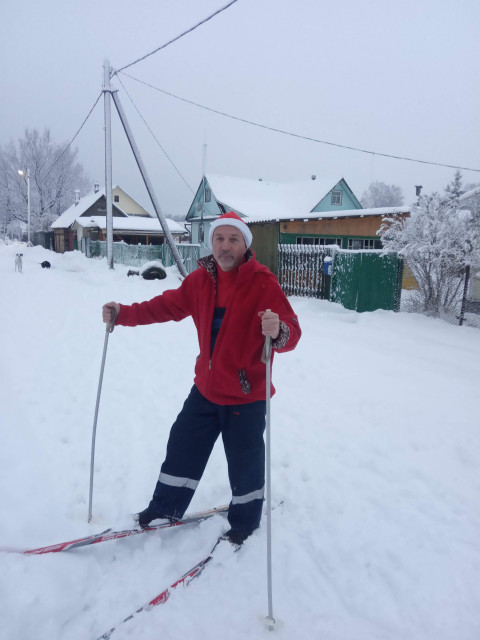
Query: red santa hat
233	220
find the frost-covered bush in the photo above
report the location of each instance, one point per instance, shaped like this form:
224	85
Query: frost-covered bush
438	242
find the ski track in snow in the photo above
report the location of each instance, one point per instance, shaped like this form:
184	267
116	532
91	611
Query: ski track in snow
375	474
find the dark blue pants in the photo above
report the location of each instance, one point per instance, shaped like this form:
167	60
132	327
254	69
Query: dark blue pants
190	444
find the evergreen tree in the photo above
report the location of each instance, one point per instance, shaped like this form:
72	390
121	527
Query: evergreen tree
454	189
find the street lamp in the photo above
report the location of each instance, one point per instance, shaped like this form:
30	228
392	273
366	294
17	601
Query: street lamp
26	175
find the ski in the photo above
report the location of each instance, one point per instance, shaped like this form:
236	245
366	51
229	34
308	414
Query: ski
162	597
108	534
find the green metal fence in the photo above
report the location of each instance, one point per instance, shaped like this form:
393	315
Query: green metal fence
366	281
137	255
358	280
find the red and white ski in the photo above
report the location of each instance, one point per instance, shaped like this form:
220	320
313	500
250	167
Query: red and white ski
162	597
108	534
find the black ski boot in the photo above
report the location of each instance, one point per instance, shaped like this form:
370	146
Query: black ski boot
147	515
236	536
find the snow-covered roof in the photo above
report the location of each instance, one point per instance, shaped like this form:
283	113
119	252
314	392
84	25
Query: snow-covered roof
124	222
470	194
130	223
266	200
324	215
69	216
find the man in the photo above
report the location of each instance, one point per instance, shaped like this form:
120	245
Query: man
235	302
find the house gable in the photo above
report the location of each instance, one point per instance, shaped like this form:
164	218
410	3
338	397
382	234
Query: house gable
127	204
204	204
339	198
99	208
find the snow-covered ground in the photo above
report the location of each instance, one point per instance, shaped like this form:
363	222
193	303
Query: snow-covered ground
375	468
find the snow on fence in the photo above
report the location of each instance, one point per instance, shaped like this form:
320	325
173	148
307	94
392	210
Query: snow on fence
136	255
303	270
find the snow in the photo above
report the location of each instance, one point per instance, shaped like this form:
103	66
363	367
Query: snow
375	446
131	223
265	199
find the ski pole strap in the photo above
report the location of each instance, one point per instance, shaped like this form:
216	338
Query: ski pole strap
267	349
111	327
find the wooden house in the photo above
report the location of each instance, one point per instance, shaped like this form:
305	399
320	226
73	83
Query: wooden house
315	211
132	224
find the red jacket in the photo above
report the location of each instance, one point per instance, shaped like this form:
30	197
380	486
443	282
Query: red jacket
234	374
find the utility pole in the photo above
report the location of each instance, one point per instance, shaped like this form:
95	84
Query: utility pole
107	92
26	175
148	185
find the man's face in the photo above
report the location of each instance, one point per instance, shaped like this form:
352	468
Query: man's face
228	247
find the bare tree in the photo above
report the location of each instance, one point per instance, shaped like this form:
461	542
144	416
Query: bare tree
54	176
380	194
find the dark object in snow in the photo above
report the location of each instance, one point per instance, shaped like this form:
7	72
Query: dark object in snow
236	536
45	264
154	273
147	515
151	271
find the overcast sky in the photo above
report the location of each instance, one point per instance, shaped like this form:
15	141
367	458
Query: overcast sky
393	77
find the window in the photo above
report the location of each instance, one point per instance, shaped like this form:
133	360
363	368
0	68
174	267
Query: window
302	240
337	241
360	243
319	241
208	194
355	244
336	197
116	198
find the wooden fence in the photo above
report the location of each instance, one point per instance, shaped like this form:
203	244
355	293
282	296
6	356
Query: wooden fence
303	270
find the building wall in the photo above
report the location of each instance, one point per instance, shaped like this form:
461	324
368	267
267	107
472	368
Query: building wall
265	244
367	226
128	204
341	229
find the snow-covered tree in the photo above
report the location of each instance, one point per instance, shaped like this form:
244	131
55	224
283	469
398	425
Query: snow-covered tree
454	189
380	194
438	242
54	176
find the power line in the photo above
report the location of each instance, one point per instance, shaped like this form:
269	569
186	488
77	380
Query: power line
163	46
72	140
155	138
297	135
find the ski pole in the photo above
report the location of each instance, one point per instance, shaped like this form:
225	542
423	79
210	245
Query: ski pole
108	331
267	358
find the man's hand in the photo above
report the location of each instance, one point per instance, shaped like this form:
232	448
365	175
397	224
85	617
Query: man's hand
270	323
110	312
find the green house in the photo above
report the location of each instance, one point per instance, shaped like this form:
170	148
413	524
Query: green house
264	201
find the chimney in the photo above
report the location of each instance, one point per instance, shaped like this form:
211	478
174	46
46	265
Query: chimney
77	196
96	187
418	189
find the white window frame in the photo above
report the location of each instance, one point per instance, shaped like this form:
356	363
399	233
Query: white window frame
336	197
